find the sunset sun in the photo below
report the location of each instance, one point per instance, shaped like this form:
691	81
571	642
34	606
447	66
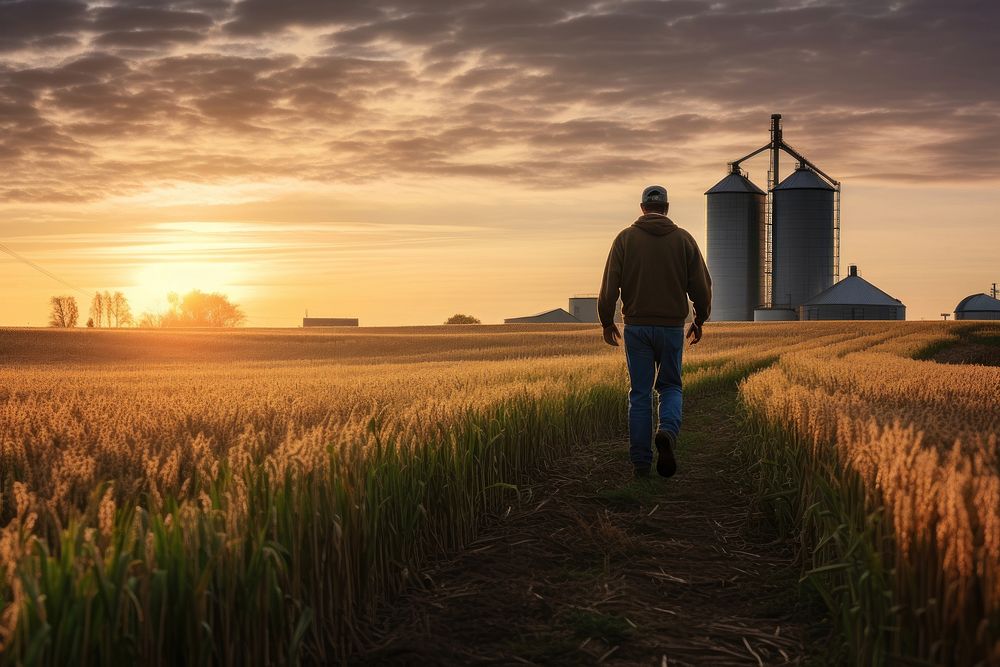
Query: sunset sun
541	332
151	283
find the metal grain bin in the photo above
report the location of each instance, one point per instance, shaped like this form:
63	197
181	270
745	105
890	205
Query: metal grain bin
802	238
735	235
978	307
853	298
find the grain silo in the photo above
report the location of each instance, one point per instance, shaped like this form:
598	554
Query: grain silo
802	239
735	246
798	240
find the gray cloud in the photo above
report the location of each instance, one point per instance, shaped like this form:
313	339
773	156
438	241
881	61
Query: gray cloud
24	23
124	17
522	90
254	17
147	39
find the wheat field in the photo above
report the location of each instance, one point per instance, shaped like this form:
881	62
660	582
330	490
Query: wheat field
905	451
252	496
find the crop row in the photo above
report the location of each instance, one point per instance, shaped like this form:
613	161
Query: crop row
888	469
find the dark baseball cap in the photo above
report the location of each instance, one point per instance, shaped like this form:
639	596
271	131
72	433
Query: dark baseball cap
654	194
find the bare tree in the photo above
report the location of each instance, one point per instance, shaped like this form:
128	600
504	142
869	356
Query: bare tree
108	307
97	309
57	315
64	313
121	309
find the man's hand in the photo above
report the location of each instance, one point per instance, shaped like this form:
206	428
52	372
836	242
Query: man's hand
694	333
611	335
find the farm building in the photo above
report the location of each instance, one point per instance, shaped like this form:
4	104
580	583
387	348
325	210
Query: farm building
853	298
556	315
582	310
772	250
329	321
978	307
736	226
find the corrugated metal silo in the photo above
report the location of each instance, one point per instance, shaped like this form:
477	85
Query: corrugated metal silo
735	226
802	238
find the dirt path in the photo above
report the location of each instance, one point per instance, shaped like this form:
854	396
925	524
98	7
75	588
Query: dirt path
592	567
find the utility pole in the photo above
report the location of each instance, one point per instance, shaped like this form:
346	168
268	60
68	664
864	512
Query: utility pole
993	292
945	316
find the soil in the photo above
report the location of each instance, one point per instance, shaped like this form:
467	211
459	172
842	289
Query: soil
593	567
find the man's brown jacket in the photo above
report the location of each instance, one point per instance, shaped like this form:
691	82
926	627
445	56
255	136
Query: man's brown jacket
655	265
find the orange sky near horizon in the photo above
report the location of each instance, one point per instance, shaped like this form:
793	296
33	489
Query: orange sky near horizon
368	164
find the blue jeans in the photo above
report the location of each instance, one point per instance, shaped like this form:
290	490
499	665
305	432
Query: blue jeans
653	355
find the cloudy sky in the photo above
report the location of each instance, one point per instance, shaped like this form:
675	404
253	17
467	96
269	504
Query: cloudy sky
402	160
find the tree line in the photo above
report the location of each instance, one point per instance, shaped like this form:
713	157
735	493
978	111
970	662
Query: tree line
112	310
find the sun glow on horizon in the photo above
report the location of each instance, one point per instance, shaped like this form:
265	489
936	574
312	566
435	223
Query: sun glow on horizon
152	283
401	164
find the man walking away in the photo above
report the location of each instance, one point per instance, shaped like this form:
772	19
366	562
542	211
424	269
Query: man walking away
655	266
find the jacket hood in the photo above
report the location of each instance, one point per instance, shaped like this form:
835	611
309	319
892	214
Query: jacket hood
655	224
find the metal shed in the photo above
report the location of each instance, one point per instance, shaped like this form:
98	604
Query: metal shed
735	247
853	298
556	315
329	321
978	307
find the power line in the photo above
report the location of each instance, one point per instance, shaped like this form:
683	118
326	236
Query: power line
40	269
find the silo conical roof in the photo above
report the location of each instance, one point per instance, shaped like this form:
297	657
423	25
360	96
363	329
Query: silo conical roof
853	291
978	302
735	182
803	178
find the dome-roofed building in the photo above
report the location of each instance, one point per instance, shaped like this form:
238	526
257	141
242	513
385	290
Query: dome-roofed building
853	298
978	307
